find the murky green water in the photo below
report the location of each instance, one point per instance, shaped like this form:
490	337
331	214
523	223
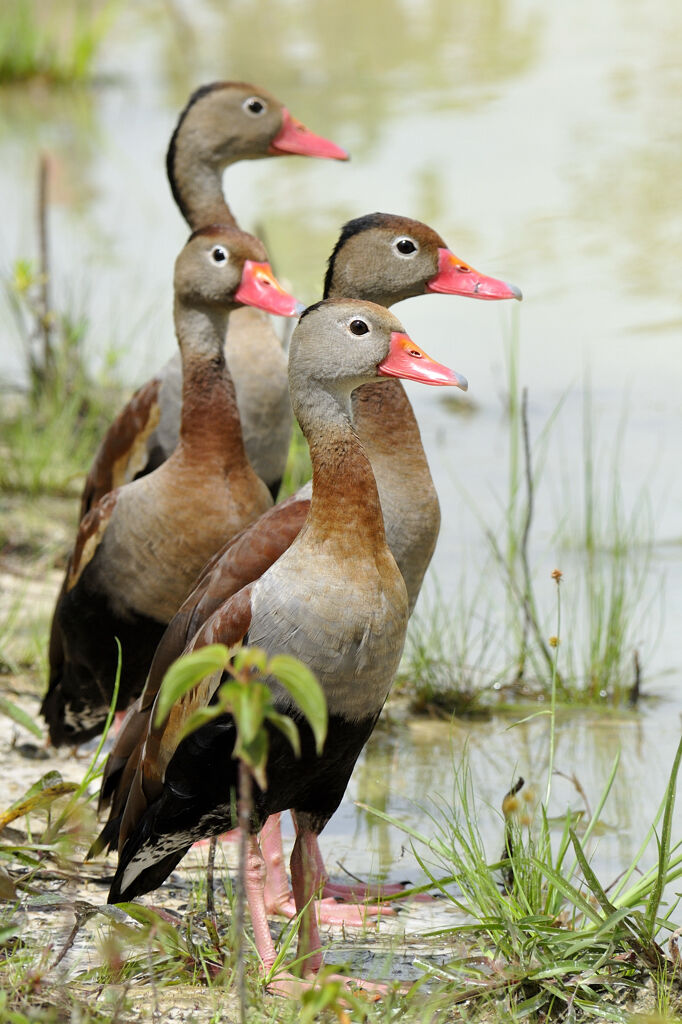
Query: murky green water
543	142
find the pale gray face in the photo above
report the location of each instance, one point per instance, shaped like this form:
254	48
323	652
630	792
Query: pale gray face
209	269
340	343
235	121
386	258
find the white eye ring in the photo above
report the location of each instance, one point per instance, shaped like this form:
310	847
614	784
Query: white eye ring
254	106
406	246
358	327
219	254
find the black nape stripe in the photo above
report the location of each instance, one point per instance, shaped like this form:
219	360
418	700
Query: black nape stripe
350	228
197	95
310	309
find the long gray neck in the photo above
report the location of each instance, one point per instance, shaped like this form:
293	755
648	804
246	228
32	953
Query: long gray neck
196	183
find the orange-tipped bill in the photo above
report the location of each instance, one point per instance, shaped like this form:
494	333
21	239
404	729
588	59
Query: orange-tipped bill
409	361
294	137
260	288
455	277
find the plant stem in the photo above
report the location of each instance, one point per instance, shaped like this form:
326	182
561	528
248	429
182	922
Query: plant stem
244	817
552	713
523	550
210	872
44	273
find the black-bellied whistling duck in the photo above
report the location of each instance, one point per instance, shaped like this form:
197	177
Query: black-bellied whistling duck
383	258
222	123
335	599
139	549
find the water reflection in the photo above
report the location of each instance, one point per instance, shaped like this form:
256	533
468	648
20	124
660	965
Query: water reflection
409	773
363	64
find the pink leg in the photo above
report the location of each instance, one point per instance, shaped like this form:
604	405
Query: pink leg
278	897
353	892
255	882
284	983
305	881
305	878
277	893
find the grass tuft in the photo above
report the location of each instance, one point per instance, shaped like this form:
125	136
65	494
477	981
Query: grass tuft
56	42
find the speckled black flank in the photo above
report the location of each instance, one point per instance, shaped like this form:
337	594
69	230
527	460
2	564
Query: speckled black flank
197	798
198	94
350	228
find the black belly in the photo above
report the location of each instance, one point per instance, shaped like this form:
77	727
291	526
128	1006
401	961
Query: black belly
199	794
82	683
204	772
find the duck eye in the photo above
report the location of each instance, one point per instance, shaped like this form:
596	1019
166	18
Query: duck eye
405	246
358	327
218	254
254	106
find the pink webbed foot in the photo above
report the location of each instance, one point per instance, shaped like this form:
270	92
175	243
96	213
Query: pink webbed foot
361	892
329	911
279	897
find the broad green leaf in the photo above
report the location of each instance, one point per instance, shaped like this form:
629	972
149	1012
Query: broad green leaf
202	716
299	681
41	799
288	727
20	716
248	710
51	778
250	658
185	673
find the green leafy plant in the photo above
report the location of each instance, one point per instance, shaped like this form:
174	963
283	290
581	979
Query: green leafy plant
246	696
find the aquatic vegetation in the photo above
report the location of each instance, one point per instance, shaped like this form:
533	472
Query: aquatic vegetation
50	431
543	934
493	645
55	42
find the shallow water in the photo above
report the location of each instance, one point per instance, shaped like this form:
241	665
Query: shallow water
542	142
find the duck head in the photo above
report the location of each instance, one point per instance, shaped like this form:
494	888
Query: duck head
222	267
341	344
228	121
386	258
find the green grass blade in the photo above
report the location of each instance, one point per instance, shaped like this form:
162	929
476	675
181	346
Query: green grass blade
654	901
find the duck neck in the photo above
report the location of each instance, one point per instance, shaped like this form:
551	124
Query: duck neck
345	504
210	428
382	414
196	182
